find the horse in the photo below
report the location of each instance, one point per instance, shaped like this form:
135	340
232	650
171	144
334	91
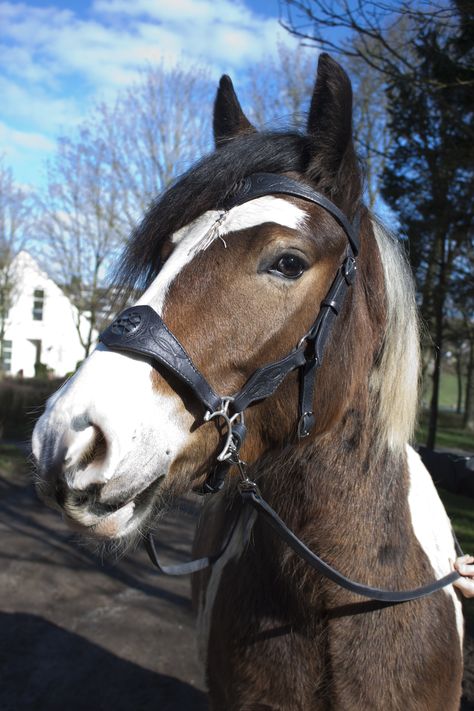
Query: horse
240	283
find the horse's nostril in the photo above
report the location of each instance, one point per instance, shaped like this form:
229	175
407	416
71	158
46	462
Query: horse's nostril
96	450
87	446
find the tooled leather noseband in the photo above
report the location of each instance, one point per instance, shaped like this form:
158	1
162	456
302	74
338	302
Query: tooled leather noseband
140	330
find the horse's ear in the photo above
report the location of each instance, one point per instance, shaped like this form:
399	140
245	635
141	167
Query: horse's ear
333	164
229	119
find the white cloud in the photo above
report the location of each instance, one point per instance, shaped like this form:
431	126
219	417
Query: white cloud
26	152
189	11
17	140
24	104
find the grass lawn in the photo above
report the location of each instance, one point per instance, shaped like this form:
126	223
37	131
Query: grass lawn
448	391
461	512
450	435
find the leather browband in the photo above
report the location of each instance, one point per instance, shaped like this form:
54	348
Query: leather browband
261	184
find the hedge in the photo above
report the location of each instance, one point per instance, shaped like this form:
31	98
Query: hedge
21	403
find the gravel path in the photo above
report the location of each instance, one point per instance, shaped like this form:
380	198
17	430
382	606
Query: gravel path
80	634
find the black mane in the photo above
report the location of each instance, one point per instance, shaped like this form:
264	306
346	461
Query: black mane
203	188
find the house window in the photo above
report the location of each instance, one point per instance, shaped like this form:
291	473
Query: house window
38	303
7	356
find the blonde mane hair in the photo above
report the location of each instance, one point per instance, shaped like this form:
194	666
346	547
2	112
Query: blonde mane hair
394	381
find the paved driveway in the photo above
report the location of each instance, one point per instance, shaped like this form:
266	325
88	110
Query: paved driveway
79	634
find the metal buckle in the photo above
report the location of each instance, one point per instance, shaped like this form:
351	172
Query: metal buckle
229	449
349	269
304	427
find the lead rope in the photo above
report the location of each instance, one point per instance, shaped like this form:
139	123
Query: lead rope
191	566
251	496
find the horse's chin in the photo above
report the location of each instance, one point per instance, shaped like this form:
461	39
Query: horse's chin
121	522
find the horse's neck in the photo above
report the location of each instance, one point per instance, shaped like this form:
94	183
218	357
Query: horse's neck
343	495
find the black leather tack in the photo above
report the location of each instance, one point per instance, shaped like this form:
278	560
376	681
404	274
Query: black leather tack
349	269
331	305
270	517
140	330
261	184
266	380
149	336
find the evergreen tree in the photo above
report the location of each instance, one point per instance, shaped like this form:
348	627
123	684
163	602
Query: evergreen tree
429	176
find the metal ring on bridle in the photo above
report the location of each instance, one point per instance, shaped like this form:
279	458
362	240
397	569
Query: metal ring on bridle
229	447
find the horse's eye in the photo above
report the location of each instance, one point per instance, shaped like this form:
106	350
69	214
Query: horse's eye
290	266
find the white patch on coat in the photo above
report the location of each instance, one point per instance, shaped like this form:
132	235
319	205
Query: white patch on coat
143	430
208	596
199	234
432	527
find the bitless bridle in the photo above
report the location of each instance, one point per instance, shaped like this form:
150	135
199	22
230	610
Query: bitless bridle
140	330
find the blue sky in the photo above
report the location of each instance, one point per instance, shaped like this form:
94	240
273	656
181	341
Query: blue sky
58	58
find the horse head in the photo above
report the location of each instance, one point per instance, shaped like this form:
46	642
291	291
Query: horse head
238	287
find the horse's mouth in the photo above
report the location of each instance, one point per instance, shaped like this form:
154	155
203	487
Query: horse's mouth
88	516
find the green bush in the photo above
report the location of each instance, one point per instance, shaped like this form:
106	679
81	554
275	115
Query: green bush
21	403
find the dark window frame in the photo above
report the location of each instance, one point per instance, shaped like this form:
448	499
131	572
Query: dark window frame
38	304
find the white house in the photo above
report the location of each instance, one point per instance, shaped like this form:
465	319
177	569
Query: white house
40	327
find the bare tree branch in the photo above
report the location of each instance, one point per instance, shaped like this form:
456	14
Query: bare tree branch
370	31
15	220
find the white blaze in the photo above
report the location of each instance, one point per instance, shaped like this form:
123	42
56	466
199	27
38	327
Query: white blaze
213	224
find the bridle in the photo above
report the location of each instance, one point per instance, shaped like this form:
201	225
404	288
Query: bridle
141	331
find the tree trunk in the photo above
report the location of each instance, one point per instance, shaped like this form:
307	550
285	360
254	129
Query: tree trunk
439	299
468	419
459	381
434	404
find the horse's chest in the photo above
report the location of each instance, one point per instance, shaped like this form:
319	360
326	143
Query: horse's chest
261	645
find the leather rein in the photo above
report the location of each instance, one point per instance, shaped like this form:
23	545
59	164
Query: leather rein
141	331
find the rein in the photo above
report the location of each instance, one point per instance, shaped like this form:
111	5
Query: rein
140	330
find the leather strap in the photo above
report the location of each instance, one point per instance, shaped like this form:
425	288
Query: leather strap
265	380
141	330
317	337
261	184
252	496
307	419
191	566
